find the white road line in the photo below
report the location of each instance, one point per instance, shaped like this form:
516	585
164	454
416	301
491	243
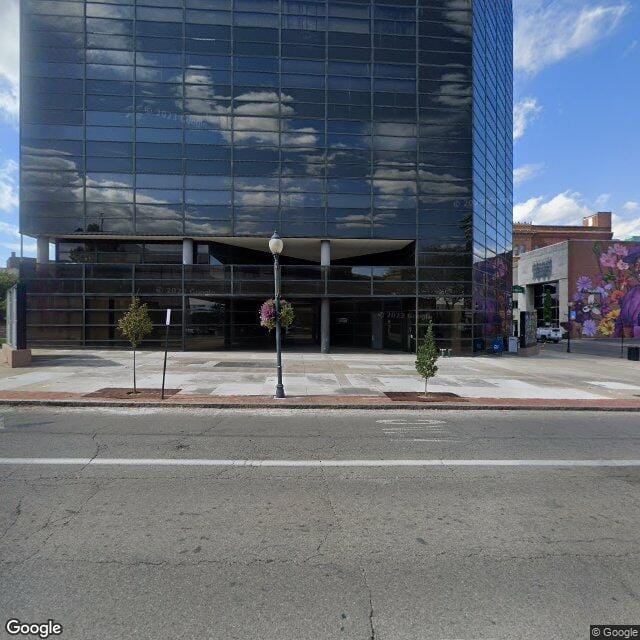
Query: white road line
401	432
408	421
178	462
426	427
423	440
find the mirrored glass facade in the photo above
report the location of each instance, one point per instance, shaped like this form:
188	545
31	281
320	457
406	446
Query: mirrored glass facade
382	126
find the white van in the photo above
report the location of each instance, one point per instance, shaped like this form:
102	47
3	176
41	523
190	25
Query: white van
549	334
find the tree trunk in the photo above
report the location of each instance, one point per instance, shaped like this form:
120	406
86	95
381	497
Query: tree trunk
426	380
134	371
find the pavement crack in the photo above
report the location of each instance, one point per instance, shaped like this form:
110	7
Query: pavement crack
51	524
17	512
372	628
83	504
94	437
631	592
333	512
331	526
215	425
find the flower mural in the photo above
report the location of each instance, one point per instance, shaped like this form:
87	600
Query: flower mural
608	304
492	298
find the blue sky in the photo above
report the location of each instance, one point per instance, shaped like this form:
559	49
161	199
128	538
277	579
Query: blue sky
576	114
576	111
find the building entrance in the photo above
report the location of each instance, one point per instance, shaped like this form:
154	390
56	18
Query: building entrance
225	323
305	330
546	302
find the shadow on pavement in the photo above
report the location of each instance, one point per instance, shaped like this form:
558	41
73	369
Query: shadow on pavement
73	360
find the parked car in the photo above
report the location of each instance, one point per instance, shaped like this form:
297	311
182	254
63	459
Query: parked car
549	334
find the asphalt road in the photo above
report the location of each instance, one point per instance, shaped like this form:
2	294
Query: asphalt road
209	550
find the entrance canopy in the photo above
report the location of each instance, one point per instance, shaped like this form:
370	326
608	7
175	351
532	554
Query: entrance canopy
309	248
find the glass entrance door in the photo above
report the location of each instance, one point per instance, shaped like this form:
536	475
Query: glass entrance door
305	330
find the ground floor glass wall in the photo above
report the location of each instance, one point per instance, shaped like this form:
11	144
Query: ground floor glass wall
217	307
215	323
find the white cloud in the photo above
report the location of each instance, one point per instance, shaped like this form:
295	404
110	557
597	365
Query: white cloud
565	208
547	32
569	208
9	60
29	249
10	239
523	211
9	105
9	186
623	229
524	112
8	229
527	172
602	200
632	48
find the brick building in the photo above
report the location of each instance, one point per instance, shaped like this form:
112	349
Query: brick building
597	280
527	236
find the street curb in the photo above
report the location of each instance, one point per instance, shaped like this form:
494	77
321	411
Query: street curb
299	406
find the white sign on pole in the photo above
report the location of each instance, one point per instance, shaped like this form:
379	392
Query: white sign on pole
168	320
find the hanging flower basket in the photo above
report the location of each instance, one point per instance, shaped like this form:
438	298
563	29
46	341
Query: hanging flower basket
268	314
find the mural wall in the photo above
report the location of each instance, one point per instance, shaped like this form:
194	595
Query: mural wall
607	299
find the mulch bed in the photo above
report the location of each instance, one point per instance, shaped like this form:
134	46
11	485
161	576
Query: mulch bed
116	393
412	396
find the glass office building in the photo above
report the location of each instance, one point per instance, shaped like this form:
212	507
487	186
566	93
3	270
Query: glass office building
163	141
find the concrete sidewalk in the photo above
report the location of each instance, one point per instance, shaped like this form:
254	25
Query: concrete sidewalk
343	378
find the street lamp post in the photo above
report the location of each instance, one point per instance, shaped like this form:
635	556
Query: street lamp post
275	246
569	324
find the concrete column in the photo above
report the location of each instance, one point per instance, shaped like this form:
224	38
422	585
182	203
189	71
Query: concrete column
325	326
42	251
325	308
187	251
563	299
529	302
325	253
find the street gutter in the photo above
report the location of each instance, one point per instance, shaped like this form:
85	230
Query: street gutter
284	404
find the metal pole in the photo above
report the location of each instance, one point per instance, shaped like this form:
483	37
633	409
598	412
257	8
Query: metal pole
166	348
569	335
622	343
276	275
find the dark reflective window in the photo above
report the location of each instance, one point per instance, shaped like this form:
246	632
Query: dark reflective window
322	118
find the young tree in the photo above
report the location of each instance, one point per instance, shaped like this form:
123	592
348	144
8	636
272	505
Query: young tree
427	356
7	280
547	308
135	326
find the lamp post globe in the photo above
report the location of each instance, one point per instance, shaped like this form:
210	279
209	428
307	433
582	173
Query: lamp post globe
275	244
